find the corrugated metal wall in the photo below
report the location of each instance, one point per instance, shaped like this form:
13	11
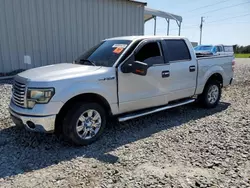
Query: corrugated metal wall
55	31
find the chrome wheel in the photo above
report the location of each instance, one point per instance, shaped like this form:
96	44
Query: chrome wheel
88	124
213	94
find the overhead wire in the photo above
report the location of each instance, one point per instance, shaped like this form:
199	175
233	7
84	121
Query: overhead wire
210	5
228	18
211	23
225	7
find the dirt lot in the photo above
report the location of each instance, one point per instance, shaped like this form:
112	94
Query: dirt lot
182	147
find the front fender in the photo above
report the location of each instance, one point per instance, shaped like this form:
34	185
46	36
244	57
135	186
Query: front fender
106	89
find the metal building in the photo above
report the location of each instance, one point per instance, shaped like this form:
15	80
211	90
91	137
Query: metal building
40	32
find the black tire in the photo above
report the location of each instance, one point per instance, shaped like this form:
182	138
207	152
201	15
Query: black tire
71	119
203	99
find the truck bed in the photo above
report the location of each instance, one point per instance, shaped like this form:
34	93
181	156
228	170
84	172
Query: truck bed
207	65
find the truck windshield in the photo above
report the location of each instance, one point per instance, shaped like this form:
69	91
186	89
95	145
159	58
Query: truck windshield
104	54
205	48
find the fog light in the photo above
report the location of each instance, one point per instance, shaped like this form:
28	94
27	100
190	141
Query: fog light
30	104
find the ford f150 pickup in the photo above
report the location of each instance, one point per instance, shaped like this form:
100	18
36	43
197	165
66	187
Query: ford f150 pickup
124	77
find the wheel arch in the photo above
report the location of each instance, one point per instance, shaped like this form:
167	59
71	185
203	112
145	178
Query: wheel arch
215	77
86	97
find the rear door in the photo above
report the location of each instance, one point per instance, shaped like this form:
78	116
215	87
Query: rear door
139	92
182	69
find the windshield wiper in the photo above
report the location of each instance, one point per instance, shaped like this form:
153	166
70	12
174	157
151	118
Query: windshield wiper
86	60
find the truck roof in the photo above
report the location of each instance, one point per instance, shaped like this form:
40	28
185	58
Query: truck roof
142	37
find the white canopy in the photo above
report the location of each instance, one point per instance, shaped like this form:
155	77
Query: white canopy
152	14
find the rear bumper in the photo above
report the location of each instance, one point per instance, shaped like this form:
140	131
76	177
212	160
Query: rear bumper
45	124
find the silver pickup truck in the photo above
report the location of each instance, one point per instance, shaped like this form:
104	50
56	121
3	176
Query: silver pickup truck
125	77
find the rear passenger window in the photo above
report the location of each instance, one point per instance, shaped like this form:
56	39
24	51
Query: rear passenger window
177	50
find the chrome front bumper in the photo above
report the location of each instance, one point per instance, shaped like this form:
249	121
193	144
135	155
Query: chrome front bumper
44	124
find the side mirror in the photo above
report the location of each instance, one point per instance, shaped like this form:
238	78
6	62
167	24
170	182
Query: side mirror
140	68
136	67
127	68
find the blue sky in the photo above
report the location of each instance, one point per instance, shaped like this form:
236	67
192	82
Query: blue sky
217	29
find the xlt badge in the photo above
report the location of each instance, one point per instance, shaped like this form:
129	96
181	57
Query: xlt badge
107	78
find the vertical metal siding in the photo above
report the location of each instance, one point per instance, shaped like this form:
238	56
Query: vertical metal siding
55	31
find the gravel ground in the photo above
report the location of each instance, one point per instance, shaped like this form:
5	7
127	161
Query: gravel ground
182	147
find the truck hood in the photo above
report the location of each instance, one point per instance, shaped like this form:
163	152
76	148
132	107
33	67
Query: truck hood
58	72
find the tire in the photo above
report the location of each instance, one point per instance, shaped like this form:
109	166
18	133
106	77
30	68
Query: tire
208	99
79	117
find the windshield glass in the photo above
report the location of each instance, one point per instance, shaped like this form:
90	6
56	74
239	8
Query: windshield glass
104	54
205	48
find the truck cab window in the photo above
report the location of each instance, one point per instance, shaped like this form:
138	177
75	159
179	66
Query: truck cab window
177	50
150	54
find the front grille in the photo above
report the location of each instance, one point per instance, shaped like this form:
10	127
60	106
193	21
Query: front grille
18	95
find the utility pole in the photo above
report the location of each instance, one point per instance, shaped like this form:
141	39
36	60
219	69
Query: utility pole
201	26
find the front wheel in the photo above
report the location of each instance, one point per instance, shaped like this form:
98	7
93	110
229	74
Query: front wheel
84	123
211	95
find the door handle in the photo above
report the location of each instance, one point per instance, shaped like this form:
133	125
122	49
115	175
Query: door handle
192	68
165	74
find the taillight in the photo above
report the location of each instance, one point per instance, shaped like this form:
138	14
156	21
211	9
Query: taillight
233	64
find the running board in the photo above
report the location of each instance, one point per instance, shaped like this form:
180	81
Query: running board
151	111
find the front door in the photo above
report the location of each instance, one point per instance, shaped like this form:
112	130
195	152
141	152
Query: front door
139	92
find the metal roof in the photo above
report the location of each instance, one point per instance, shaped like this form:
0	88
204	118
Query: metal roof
151	13
141	2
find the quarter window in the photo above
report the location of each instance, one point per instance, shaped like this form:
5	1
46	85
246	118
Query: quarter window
177	50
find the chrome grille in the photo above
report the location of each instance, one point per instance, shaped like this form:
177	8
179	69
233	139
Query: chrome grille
18	95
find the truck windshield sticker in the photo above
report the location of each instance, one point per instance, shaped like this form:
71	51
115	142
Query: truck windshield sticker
119	46
118	50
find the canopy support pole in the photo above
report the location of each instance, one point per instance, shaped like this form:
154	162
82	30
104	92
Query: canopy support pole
168	21
155	26
180	29
152	14
179	25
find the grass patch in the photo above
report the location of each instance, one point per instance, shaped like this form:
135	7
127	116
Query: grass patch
242	55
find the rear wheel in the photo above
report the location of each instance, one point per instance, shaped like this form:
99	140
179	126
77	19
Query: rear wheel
84	123
211	95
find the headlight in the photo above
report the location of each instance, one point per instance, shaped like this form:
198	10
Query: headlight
39	96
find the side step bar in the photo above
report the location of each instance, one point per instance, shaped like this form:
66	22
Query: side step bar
151	111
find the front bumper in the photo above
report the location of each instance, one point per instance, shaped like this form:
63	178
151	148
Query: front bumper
44	124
